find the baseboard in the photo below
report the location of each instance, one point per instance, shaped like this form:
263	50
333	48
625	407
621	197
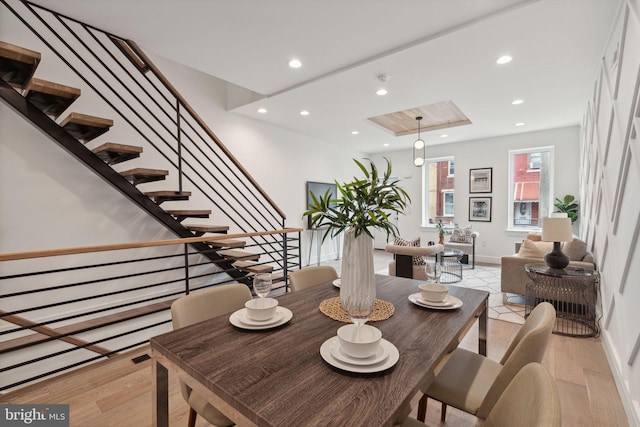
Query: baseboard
631	408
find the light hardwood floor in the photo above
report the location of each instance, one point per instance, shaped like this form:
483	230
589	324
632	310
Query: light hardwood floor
117	392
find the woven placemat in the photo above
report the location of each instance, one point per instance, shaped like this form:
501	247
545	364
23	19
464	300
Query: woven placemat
332	307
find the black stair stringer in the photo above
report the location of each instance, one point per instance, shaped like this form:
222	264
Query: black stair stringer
74	147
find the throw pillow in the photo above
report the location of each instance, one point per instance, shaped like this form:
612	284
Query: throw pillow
535	237
417	260
575	250
461	235
532	249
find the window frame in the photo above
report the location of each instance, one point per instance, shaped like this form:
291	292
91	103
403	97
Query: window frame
511	201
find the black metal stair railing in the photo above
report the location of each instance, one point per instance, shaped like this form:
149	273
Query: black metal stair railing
82	305
122	76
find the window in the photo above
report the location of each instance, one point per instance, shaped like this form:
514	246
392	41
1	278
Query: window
438	200
447	202
535	160
530	187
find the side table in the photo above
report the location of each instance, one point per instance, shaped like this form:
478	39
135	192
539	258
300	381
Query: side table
450	267
572	291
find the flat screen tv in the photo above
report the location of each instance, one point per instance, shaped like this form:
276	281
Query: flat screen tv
319	188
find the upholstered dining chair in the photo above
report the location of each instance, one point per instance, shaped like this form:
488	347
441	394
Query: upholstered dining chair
194	308
530	400
311	276
473	383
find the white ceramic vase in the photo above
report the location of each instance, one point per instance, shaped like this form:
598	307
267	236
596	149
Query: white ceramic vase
357	281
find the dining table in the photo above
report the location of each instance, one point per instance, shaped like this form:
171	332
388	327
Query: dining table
278	376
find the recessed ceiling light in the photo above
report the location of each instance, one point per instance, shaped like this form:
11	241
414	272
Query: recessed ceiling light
354	132
517	101
505	59
385	144
444	135
262	110
381	92
519	124
304	113
295	63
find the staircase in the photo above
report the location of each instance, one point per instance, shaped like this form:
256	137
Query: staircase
74	300
17	69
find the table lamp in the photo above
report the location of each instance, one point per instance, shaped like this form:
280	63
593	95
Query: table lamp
556	229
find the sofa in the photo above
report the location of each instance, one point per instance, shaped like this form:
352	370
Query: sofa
531	251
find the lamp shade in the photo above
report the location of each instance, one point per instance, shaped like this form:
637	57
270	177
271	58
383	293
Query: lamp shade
556	229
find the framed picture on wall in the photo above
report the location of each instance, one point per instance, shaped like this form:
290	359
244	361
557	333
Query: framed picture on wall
480	209
480	180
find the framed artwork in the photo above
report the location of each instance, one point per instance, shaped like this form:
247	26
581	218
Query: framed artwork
480	209
480	180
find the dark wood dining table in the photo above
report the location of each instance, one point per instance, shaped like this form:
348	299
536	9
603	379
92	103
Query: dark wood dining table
277	377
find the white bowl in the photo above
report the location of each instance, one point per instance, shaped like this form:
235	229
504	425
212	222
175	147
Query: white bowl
433	292
359	344
259	309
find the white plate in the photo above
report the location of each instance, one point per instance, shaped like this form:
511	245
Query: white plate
381	354
244	318
336	283
392	358
450	301
238	318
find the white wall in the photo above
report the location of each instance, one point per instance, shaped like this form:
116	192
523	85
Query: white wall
495	240
610	176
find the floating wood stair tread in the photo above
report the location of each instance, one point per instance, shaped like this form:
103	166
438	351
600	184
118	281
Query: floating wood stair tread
236	254
190	212
167	195
182	214
141	175
252	267
51	98
112	153
227	243
201	229
84	127
17	64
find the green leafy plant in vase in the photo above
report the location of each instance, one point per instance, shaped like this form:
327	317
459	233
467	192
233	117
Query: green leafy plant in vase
441	232
360	206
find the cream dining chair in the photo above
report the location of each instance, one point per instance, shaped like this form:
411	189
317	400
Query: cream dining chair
194	308
311	276
473	383
530	400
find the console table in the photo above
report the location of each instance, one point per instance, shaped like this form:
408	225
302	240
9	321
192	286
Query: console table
572	291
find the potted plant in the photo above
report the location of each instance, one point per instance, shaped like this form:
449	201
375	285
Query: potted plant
441	232
362	204
569	206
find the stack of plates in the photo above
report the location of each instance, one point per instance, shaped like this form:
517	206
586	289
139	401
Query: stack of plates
386	356
240	319
450	302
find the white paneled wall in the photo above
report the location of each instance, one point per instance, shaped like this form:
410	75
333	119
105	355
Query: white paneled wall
610	191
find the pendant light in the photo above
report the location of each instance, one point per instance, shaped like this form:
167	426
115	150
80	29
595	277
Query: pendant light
419	148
